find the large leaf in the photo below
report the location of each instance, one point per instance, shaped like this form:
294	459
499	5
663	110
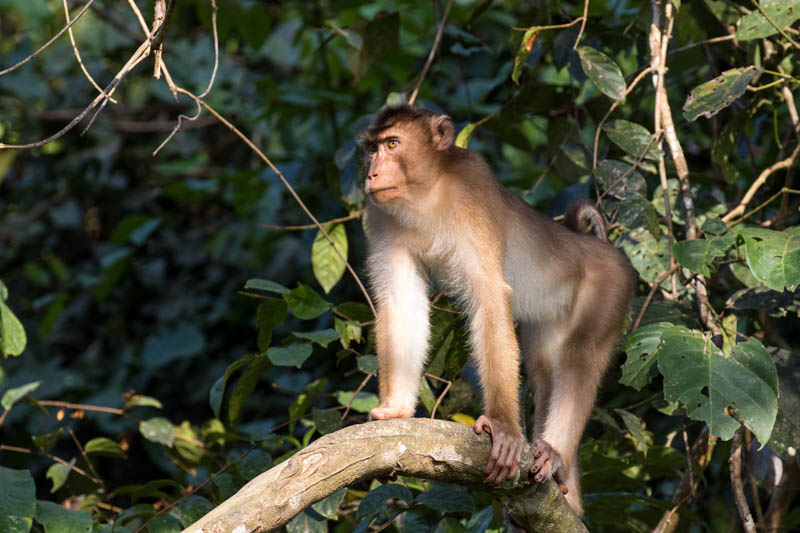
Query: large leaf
712	96
650	258
641	349
217	391
633	138
773	257
57	519
699	255
305	303
619	179
17	500
157	429
699	376
754	25
447	498
604	73
329	266
269	314
786	433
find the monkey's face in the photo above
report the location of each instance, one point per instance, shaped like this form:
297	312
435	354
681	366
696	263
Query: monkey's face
401	163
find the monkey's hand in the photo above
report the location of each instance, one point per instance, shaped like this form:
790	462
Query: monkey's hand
507	442
547	464
385	413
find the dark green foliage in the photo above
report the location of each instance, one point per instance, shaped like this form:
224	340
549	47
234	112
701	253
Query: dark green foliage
165	291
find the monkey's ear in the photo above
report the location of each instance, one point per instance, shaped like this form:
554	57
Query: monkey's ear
442	132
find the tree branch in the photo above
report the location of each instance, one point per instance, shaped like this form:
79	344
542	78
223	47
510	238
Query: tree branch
430	449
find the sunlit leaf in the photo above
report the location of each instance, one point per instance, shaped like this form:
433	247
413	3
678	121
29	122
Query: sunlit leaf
12	334
157	429
699	255
305	303
773	257
58	474
12	396
712	96
293	355
641	349
754	25
632	138
104	446
328	266
362	403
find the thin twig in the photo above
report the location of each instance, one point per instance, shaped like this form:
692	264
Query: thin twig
583	24
713	40
82	407
447	386
51	41
689	467
86	458
352	216
352	399
652	292
762	205
55	458
288	186
78	55
762	178
735	462
138	56
432	53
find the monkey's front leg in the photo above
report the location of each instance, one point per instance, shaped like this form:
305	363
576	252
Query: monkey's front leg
497	352
401	332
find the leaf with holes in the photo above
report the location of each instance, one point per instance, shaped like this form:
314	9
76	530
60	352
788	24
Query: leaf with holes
706	381
633	138
699	255
328	265
711	97
773	257
641	350
754	25
604	73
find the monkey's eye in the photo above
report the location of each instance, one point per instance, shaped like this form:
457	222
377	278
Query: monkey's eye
391	144
371	147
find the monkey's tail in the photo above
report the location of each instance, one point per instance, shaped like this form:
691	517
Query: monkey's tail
583	217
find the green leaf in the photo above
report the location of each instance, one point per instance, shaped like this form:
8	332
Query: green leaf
329	507
635	212
138	400
326	420
246	384
322	337
57	519
619	179
303	523
368	364
58	474
45	443
705	381
754	25
634	425
604	73
157	429
104	446
265	285
463	137
447	498
253	464
712	96
362	403
724	149
520	57
633	138
17	500
348	330
699	255
328	266
164	524
786	433
193	509
376	499
12	396
269	315
641	350
12	334
293	355
773	257
302	402
217	391
650	258
305	303
426	396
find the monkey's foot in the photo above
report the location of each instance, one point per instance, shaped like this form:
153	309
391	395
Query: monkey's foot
547	464
507	442
385	413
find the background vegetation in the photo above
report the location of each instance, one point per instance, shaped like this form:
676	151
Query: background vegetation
170	329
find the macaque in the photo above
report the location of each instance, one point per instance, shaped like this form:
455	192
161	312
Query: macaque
437	208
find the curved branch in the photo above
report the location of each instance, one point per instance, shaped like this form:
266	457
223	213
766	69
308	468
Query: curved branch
430	449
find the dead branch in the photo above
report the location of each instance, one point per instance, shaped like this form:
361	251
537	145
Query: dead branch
430	449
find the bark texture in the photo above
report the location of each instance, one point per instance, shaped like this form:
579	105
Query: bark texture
432	449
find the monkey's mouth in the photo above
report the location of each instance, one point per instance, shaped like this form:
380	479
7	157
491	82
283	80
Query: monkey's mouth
376	191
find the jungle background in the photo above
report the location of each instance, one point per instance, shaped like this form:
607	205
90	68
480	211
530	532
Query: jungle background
173	324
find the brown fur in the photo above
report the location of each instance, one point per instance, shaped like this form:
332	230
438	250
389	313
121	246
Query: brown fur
436	207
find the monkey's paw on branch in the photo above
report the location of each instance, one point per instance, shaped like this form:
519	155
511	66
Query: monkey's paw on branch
547	464
431	449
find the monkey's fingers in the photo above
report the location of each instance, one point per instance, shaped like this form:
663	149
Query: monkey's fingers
558	476
386	413
503	463
482	424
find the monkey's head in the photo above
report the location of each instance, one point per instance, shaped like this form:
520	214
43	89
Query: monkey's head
404	148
